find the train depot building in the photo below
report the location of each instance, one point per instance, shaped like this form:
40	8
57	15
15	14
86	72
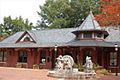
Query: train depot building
42	47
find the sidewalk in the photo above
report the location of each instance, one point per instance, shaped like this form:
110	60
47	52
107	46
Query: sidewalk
7	73
23	74
109	77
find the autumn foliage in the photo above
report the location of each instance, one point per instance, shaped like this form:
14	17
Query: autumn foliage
110	13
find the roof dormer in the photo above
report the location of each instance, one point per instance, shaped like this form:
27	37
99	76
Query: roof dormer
26	37
90	29
90	23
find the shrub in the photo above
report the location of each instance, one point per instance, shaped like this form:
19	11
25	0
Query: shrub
103	71
79	66
75	65
96	66
35	66
18	65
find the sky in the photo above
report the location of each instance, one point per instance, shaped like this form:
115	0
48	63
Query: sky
25	8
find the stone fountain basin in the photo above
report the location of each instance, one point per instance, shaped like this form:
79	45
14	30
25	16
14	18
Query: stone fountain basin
73	75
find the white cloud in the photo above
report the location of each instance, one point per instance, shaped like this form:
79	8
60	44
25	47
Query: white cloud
24	8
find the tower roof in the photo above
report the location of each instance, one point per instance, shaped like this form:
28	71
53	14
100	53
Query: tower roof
90	23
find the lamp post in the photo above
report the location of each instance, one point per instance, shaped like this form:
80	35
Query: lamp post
116	49
55	55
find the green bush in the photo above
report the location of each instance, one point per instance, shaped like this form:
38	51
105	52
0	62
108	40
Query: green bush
75	65
79	66
104	71
35	66
18	65
96	66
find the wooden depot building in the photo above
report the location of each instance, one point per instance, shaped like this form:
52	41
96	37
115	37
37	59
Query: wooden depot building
42	47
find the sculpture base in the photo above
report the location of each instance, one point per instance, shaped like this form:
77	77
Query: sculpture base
71	75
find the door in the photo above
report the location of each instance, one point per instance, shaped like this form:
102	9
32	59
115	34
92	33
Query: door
86	52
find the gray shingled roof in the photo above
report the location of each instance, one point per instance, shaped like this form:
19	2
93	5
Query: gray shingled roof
90	43
43	38
114	35
13	38
90	23
61	37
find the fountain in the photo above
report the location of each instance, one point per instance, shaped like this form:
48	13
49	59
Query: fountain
88	65
63	69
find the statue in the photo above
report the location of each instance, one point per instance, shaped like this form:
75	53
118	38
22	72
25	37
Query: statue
64	69
60	62
88	65
64	62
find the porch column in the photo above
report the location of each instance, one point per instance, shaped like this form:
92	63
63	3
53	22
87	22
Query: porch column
38	55
10	57
30	58
118	60
80	56
102	57
94	55
51	57
47	56
60	51
15	59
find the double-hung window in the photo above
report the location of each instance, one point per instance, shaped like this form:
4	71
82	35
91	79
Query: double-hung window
3	55
113	59
43	57
22	56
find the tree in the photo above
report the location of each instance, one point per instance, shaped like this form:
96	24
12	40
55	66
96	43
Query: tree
11	26
65	13
110	13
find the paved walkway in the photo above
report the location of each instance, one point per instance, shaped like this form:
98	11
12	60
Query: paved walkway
23	74
110	78
34	74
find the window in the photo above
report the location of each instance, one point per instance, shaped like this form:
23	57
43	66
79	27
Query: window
80	36
113	59
99	35
22	57
43	57
27	39
87	35
3	56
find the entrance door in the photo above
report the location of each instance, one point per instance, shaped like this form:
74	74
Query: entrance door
86	52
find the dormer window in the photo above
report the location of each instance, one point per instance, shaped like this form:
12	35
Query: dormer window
90	29
80	36
99	35
27	39
87	35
